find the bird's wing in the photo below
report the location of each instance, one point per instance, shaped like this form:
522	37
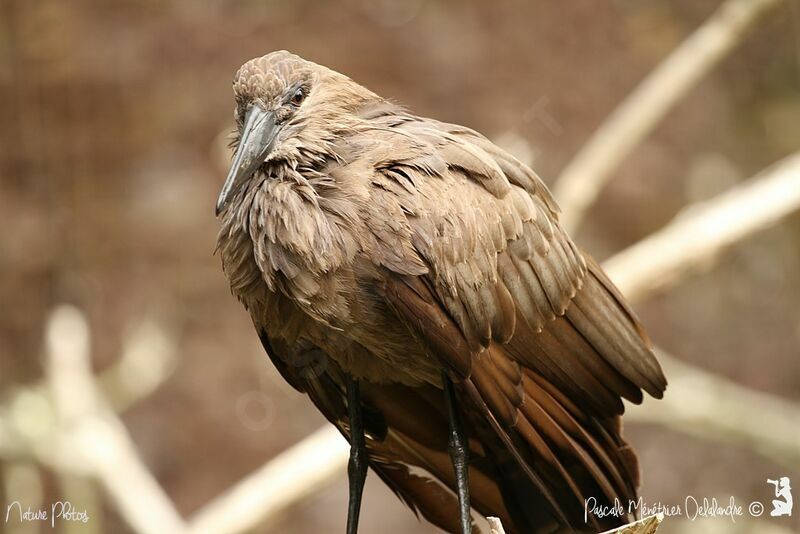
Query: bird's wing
538	337
487	229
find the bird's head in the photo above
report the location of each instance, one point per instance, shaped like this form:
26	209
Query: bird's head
288	110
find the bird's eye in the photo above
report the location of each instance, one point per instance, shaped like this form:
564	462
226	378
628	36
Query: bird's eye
298	96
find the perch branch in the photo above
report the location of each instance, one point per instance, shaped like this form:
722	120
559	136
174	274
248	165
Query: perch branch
648	525
584	177
495	525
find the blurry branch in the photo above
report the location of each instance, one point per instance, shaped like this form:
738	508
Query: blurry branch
702	231
300	471
147	359
709	406
92	435
83	494
68	422
584	177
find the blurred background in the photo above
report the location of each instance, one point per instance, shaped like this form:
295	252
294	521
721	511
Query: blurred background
115	117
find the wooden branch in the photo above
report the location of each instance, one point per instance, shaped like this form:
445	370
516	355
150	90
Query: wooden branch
92	438
148	358
584	177
495	525
711	407
146	361
304	469
648	525
701	232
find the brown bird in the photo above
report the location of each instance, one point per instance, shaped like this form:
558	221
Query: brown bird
413	280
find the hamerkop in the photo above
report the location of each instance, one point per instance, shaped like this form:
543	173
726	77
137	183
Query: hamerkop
412	278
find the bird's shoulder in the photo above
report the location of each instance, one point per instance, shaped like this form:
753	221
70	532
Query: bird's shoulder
444	202
393	137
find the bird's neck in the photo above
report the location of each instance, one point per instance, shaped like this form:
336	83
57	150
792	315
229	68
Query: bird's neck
278	236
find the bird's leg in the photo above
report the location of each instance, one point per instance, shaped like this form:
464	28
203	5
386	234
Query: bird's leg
458	455
357	466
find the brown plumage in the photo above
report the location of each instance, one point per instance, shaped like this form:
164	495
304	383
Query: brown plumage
367	242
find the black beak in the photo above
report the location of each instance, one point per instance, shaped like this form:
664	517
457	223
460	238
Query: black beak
257	140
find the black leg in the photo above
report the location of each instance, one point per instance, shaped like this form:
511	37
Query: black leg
357	467
458	455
